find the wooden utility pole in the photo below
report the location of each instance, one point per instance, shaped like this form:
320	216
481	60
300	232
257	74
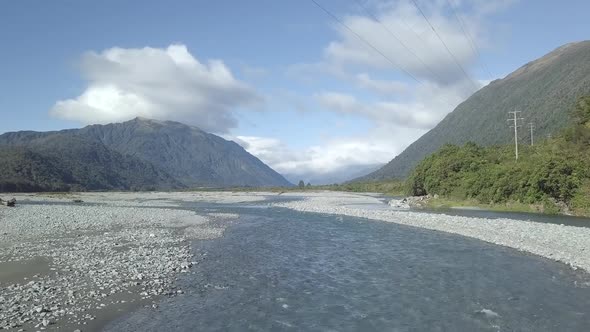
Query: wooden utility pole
532	127
515	125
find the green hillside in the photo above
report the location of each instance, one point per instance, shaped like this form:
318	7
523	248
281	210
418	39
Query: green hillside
135	155
543	90
62	162
552	175
190	155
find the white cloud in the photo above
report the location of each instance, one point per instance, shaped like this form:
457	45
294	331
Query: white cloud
334	155
383	87
320	159
404	103
430	105
401	33
425	56
168	84
484	7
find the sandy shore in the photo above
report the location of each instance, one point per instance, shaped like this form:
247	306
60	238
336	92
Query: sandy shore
567	244
74	266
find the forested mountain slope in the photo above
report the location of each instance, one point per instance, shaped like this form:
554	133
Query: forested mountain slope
544	91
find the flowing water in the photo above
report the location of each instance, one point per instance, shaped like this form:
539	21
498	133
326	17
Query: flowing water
280	270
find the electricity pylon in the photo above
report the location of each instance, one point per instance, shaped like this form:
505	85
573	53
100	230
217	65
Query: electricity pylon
515	125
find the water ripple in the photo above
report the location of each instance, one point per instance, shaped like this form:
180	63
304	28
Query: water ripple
283	270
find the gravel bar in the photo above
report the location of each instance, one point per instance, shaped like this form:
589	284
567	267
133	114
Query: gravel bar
65	265
567	244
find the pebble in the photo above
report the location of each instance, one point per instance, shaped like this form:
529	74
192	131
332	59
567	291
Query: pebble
487	313
85	267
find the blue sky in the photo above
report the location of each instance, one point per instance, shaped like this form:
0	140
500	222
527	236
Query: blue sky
288	83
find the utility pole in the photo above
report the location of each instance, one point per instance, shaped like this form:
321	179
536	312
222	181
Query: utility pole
532	127
515	125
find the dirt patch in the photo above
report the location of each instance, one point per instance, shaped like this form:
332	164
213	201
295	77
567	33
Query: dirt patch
21	271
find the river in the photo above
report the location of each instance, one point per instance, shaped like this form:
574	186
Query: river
281	270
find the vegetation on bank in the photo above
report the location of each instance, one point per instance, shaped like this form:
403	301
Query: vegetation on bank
552	176
509	206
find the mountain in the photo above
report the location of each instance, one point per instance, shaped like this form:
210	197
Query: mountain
61	162
543	90
192	156
137	154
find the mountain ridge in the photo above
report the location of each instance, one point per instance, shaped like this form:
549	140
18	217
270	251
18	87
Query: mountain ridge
173	154
197	159
61	162
544	90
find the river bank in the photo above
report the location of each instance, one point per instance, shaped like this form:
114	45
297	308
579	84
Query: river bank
71	266
436	202
568	244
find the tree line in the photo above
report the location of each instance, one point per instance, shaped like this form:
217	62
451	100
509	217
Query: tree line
554	172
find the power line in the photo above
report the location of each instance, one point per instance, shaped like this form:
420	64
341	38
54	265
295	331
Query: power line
396	38
470	39
445	45
366	42
409	28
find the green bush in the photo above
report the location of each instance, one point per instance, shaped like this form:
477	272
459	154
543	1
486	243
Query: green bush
491	175
553	172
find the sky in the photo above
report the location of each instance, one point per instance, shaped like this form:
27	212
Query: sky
318	90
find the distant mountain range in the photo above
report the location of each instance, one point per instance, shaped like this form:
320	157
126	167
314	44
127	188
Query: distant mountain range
340	175
135	155
543	90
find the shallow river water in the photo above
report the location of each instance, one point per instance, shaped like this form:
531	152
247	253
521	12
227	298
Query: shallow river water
281	270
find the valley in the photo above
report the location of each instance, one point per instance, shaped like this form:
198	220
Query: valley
322	165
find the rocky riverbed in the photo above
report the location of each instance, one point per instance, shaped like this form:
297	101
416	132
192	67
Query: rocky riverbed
68	265
73	266
568	244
